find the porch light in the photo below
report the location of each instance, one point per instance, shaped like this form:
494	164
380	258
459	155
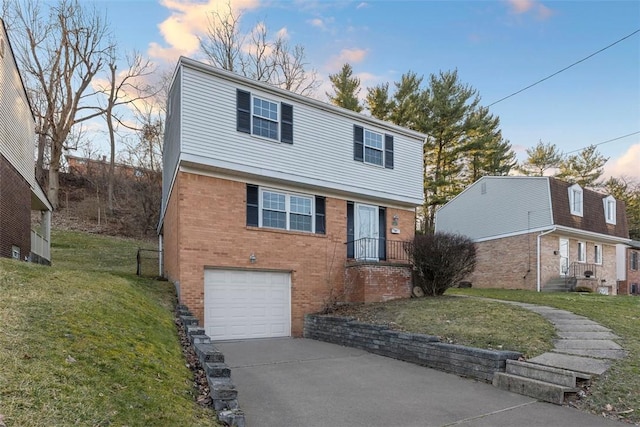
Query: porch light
252	258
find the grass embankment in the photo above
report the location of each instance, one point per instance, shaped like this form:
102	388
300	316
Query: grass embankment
465	321
86	342
618	387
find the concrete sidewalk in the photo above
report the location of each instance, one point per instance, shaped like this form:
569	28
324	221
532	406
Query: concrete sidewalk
290	382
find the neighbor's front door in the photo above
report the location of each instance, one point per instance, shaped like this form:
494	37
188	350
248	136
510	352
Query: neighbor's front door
366	232
564	256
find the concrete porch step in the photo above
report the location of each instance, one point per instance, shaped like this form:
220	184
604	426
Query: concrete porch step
541	390
563	377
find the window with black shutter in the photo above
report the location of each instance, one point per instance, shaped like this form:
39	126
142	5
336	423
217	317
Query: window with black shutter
388	151
382	233
286	125
358	143
350	230
243	101
320	215
252	205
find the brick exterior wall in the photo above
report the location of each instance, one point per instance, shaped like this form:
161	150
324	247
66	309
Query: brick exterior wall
15	211
205	226
376	282
633	276
511	262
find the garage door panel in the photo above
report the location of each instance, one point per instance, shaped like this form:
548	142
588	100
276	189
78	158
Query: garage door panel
247	304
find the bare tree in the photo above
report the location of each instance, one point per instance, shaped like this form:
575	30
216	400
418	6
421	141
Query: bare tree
122	89
255	55
60	53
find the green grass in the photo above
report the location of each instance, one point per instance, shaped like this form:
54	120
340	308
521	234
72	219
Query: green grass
86	342
620	386
464	321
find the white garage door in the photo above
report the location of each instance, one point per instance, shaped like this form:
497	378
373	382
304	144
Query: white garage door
242	304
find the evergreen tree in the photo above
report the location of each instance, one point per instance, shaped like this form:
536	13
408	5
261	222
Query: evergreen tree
446	109
378	101
404	106
346	89
541	158
584	168
627	191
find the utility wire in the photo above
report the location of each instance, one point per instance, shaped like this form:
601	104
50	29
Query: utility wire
565	68
604	142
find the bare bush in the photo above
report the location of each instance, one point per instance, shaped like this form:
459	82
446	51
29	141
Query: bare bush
441	260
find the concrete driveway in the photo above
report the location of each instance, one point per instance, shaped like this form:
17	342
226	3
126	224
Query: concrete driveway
290	382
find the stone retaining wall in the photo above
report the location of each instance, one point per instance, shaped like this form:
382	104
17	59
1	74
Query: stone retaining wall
223	392
420	349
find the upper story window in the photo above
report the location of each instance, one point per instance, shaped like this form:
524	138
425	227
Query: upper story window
575	200
287	211
610	209
633	260
372	147
263	117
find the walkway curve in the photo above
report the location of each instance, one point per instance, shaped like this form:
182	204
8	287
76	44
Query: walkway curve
582	345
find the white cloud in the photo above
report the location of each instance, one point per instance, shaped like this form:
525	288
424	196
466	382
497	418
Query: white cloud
362	5
351	56
317	22
519	7
188	20
625	165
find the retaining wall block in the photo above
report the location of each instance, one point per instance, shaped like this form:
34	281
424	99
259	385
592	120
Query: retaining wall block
208	353
194	330
217	370
222	388
199	339
233	417
222	405
188	320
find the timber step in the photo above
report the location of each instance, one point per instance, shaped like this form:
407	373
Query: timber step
541	390
542	382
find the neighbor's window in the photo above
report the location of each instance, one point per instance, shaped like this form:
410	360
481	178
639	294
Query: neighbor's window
597	254
286	211
15	252
633	260
265	118
373	148
582	252
575	200
610	210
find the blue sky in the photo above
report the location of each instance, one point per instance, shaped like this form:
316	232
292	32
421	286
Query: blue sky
498	47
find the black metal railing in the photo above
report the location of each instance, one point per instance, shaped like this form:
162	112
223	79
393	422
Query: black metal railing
582	270
378	249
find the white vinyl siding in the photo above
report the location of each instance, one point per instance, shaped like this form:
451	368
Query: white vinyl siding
508	205
321	155
172	133
17	133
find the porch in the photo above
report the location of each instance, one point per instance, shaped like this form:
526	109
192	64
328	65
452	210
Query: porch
579	275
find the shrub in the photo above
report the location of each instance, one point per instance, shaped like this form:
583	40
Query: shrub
441	260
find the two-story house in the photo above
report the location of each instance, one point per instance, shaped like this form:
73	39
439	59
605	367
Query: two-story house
538	233
20	194
276	205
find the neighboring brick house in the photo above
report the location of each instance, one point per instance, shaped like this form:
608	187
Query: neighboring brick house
20	194
630	285
538	233
276	205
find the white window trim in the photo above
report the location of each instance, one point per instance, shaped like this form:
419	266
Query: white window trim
287	208
573	190
365	146
253	114
610	219
597	259
582	255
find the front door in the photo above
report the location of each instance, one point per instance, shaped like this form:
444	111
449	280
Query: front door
366	232
564	256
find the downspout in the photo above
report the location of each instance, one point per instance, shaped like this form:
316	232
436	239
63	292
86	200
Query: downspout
538	287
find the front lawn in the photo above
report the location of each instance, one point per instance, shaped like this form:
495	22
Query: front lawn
86	342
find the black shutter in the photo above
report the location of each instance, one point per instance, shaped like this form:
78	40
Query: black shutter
243	107
358	143
382	233
388	151
286	124
320	215
252	205
350	230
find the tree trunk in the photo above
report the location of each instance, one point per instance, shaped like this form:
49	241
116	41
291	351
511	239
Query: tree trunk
42	142
54	171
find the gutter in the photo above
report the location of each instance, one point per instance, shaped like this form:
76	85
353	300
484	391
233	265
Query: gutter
538	287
